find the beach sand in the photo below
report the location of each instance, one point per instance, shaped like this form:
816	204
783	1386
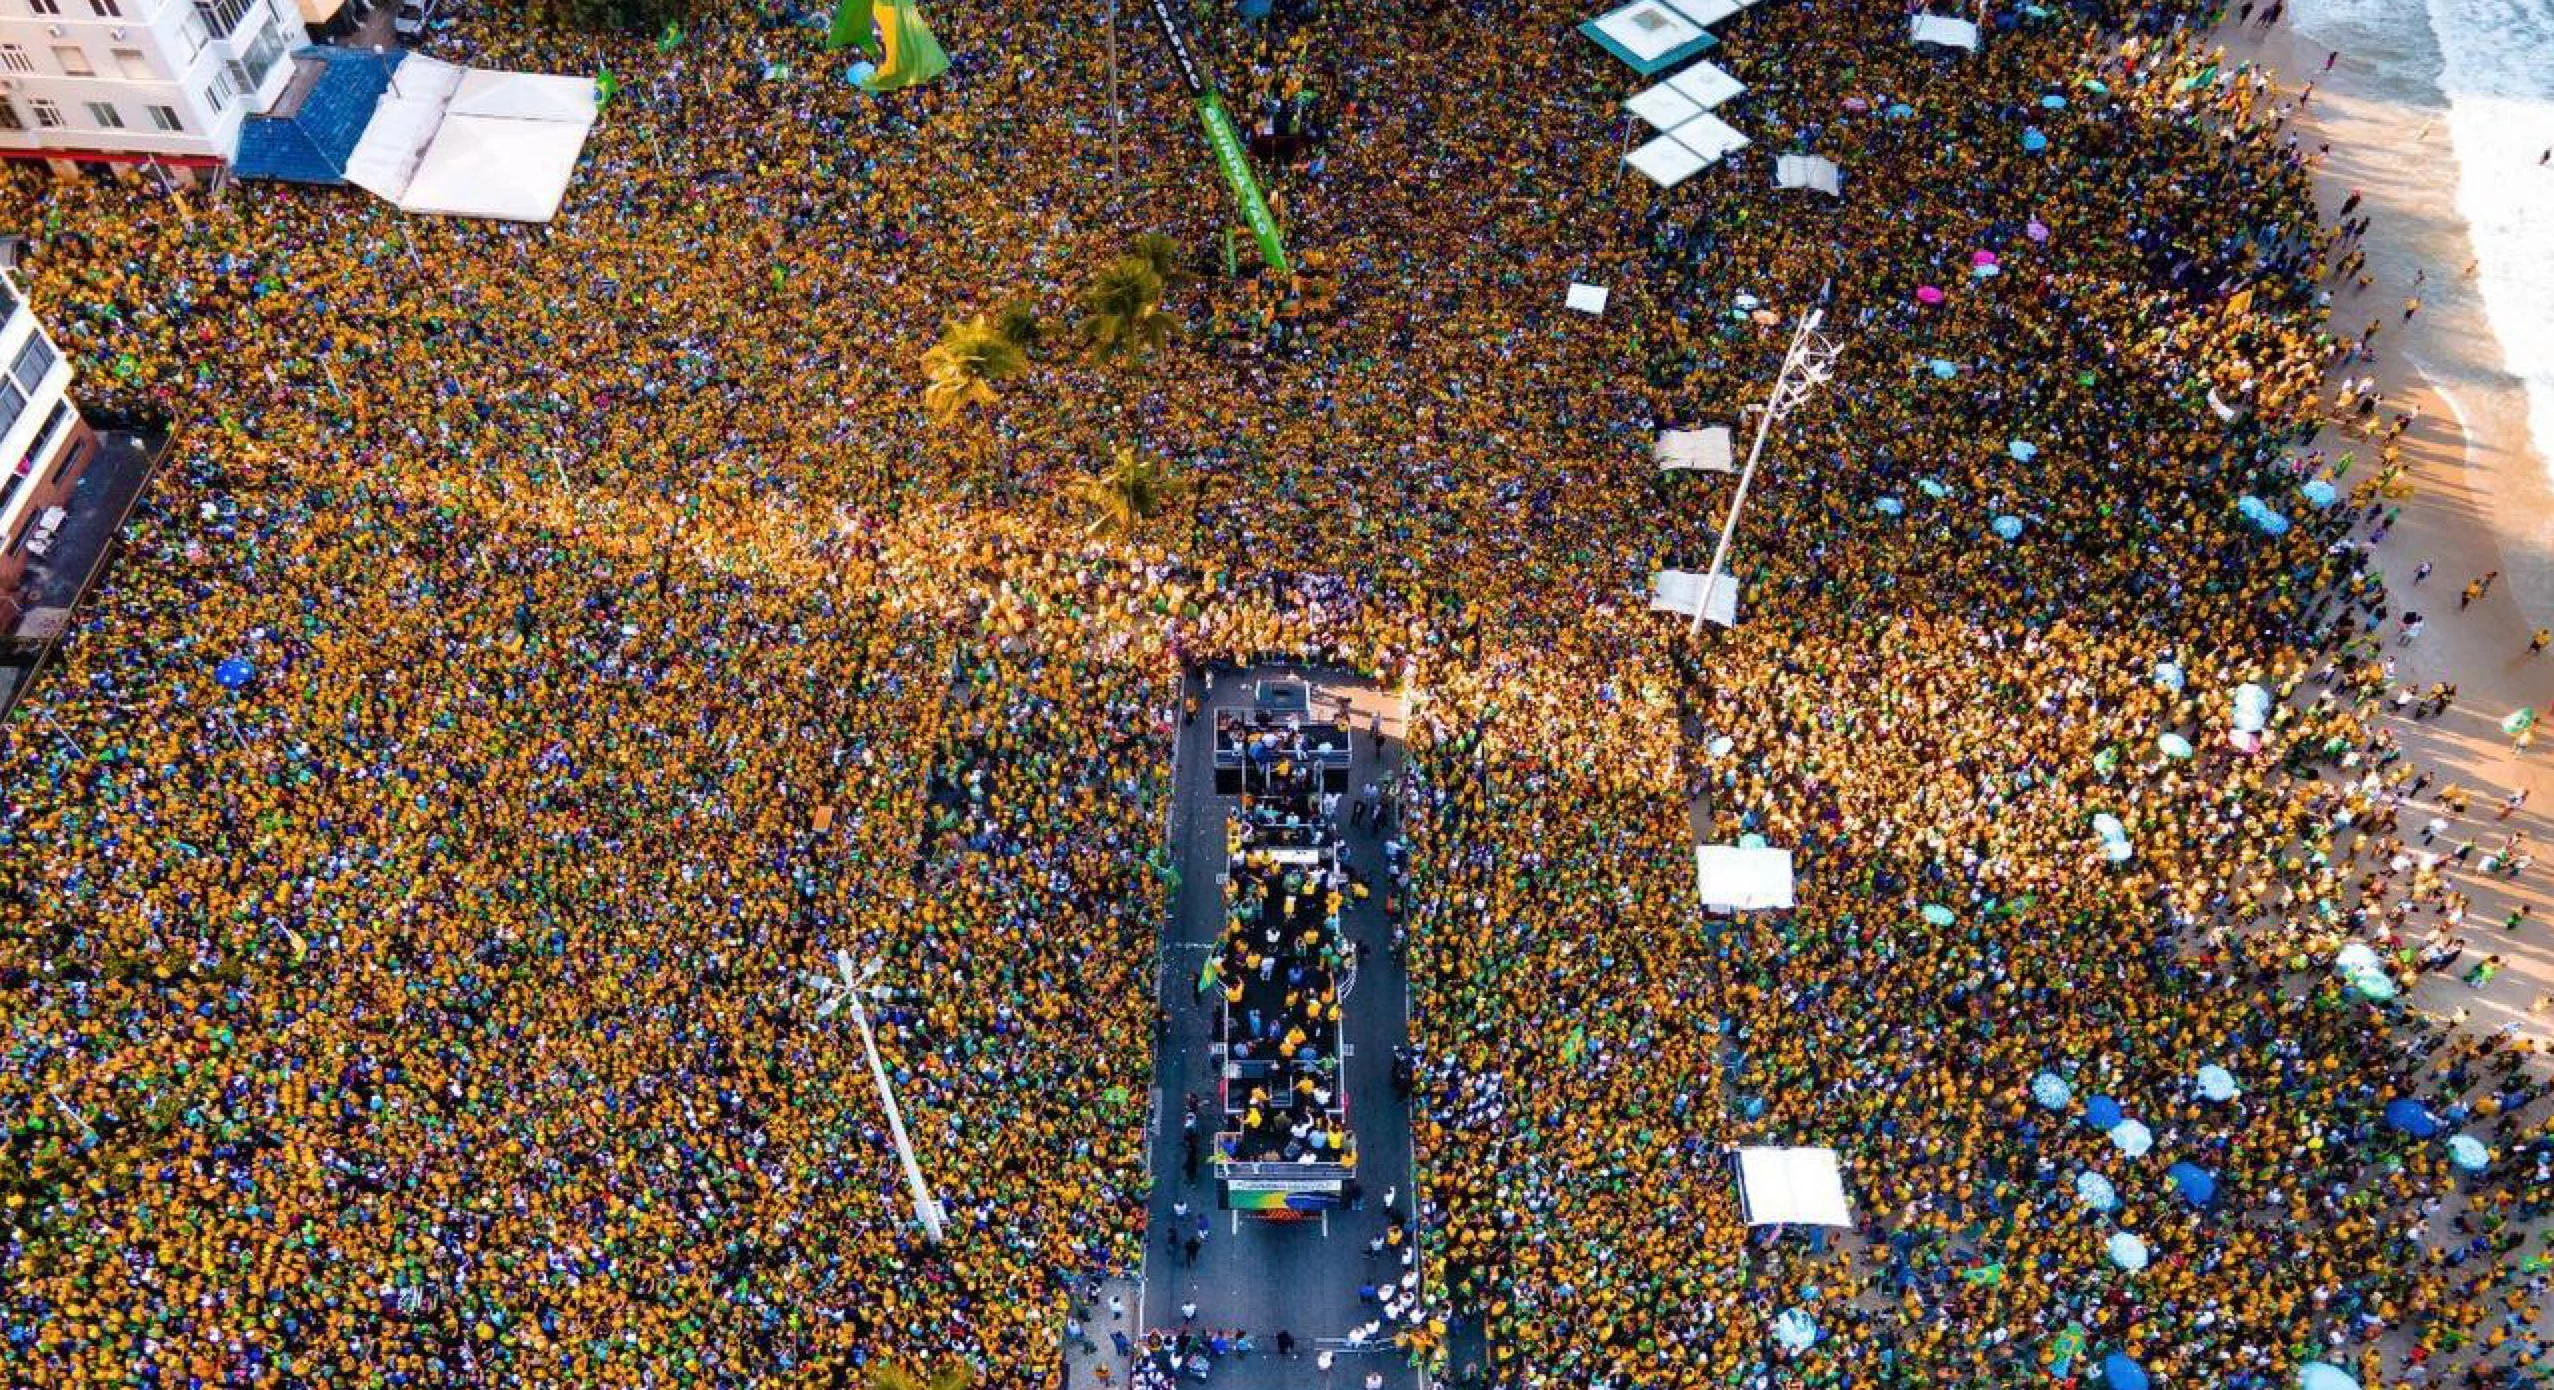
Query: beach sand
2481	501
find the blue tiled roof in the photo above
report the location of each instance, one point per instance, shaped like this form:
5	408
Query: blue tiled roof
311	145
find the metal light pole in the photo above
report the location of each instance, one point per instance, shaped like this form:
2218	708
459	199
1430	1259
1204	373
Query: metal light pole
849	987
1117	182
1805	368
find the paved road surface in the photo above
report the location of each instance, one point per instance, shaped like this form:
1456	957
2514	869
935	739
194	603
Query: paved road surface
1256	1276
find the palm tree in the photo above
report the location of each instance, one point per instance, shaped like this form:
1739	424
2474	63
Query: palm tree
965	363
1124	302
1162	254
1133	489
955	1375
1018	321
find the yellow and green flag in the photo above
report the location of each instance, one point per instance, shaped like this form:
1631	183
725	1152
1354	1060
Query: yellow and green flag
913	56
851	28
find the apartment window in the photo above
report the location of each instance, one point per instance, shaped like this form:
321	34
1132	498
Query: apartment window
214	98
135	66
190	31
107	9
52	425
222	16
13	403
34	360
262	56
104	116
9	117
13	56
164	118
73	60
47	115
45	6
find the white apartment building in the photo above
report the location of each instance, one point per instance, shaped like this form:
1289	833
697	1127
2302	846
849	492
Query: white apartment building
44	444
159	83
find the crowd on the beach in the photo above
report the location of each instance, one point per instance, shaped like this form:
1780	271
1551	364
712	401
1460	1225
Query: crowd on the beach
420	1001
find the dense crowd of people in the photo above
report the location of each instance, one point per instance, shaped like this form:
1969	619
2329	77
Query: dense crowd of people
624	642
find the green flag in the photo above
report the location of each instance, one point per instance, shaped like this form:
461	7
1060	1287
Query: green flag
1226	142
606	86
913	56
851	28
671	39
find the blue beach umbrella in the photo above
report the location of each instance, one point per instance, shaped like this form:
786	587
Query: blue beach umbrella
2120	1373
2102	1112
2468	1153
2215	1083
2320	493
1933	487
2323	1375
2168	674
234	673
1944	368
2034	141
2023	449
2197	1185
2127	1251
1889	506
2051	1090
1795	1330
860	72
2174	745
2412	1117
1899	111
1937	914
2009	527
2053	102
2133	1138
2095	1191
2095	85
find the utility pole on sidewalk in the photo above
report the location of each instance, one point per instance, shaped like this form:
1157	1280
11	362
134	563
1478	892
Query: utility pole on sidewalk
1805	368
850	985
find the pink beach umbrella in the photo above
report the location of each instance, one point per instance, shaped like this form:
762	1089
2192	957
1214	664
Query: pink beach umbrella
1928	294
2037	230
1981	258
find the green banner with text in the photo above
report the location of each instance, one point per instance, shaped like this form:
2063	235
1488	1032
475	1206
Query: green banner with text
1231	158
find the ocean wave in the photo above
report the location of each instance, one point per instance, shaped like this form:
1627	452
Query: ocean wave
2497	75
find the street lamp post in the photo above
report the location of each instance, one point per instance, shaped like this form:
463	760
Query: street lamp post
848	987
1805	367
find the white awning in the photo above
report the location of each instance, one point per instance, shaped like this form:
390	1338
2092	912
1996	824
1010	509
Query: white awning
1799	1187
1709	136
460	142
1663	107
1681	591
1649	31
1946	31
1809	171
1705	12
1587	299
1665	162
1705	84
1707	449
1739	878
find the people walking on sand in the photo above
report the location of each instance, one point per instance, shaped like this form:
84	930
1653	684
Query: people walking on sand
2538	642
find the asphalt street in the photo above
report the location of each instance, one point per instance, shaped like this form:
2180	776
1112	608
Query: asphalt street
1256	1276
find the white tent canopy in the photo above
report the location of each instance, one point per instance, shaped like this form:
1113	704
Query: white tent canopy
1740	878
1802	1187
1681	591
1587	299
1946	31
1809	171
1705	84
1707	449
461	142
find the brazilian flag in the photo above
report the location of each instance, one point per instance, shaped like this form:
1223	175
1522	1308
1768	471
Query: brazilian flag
851	28
913	56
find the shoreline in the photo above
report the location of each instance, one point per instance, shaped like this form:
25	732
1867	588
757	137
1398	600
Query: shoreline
2482	499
